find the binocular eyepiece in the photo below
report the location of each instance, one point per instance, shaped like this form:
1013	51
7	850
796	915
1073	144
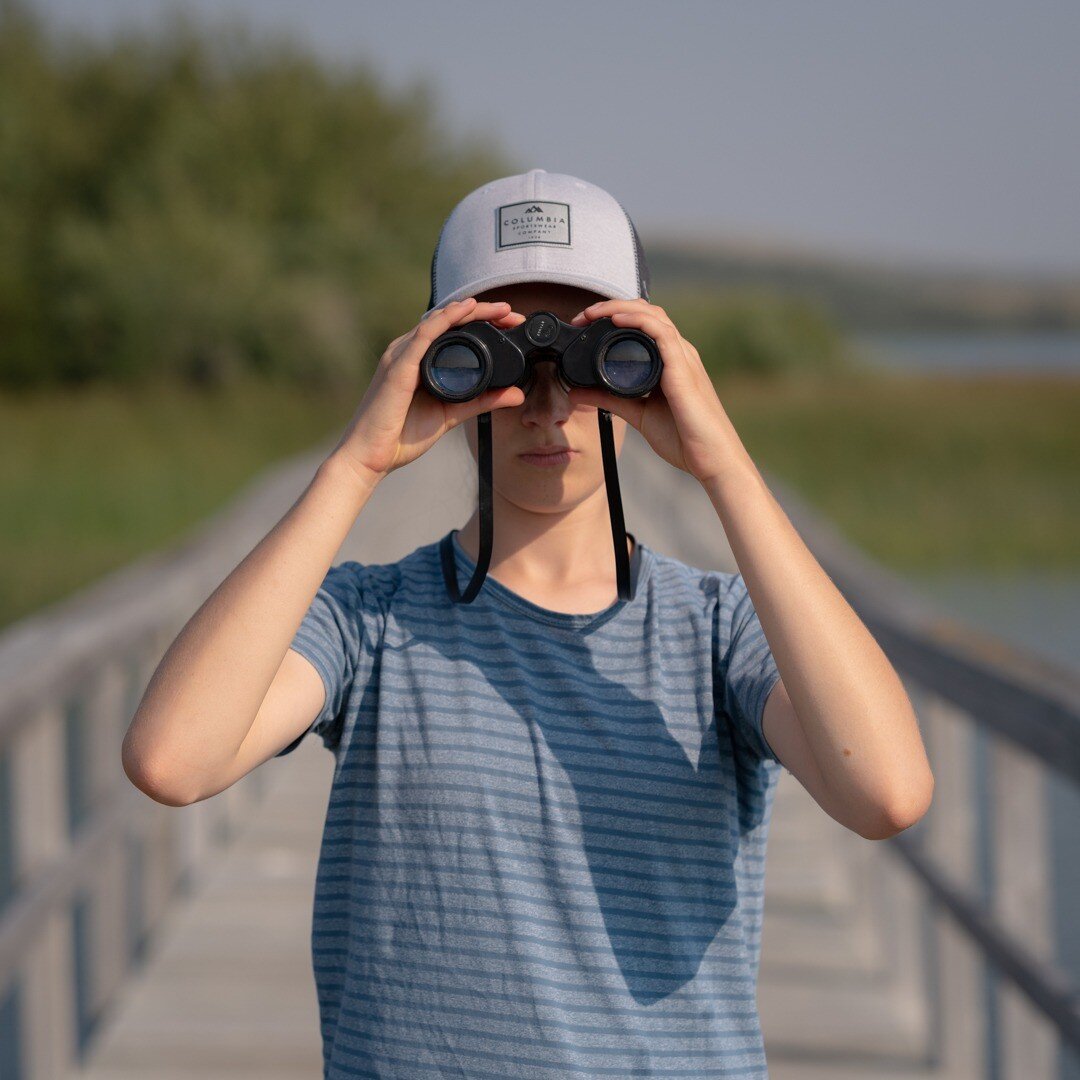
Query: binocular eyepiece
477	356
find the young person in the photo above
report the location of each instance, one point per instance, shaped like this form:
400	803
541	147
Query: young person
544	849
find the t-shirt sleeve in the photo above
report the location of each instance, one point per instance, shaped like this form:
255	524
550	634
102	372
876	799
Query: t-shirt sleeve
747	670
331	637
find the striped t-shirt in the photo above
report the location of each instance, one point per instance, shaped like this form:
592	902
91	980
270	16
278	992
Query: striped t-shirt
544	848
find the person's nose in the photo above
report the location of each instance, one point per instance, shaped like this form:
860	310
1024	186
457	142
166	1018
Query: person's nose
547	399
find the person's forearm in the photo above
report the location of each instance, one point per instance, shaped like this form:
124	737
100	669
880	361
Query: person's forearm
850	702
207	689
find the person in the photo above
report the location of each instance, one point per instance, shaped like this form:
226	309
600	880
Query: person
544	848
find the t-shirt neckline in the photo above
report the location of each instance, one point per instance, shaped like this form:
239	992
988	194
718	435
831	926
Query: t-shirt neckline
640	566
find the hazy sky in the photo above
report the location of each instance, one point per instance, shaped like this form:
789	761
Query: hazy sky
925	130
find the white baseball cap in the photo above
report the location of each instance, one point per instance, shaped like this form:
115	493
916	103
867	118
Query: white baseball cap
538	226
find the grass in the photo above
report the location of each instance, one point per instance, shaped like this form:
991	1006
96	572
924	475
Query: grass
926	474
929	474
91	479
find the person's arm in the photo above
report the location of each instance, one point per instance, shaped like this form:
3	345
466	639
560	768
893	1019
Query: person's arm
229	693
204	696
839	718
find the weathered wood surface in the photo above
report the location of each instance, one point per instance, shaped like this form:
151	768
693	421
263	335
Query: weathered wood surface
227	992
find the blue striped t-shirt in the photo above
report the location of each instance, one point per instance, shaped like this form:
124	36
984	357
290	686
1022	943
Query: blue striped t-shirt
544	847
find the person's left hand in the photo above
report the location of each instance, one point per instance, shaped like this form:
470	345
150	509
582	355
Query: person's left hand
681	418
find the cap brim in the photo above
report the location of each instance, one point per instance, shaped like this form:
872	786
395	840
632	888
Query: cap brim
581	281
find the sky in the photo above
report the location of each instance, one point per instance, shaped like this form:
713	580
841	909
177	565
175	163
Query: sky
930	133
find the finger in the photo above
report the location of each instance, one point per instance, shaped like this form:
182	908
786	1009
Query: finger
438	320
496	312
413	347
658	329
628	408
614	307
486	310
447	310
505	397
456	314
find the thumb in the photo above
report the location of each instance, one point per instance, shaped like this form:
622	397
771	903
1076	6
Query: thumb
500	398
580	395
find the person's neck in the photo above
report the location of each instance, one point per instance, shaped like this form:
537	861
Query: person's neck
547	550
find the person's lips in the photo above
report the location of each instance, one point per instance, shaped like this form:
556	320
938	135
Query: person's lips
549	455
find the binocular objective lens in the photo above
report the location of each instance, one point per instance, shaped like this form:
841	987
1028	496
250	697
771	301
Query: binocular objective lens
627	364
456	369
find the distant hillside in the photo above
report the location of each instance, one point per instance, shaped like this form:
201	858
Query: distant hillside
866	296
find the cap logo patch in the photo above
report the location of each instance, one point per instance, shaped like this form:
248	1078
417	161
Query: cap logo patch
533	222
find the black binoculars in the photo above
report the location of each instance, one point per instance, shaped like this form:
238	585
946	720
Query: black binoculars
467	360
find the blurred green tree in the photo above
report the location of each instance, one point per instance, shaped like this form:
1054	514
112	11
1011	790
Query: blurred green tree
762	333
194	202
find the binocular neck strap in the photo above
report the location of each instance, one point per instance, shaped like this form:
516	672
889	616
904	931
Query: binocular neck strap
614	501
611	481
483	450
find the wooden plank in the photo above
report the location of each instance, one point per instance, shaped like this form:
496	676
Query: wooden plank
228	988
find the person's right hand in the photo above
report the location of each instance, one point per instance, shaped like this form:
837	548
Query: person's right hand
397	419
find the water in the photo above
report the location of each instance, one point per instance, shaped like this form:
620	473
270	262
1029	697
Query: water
975	354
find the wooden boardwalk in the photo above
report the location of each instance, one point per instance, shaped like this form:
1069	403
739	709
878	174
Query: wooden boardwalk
227	992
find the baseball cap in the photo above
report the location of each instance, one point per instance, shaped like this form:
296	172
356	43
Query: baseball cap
538	226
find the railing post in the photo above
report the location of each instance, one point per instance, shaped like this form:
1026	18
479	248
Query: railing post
41	839
949	839
107	889
1022	903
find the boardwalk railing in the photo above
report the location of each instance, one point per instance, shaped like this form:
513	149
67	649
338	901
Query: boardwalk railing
998	854
89	865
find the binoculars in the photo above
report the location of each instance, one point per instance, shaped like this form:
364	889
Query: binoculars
467	360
